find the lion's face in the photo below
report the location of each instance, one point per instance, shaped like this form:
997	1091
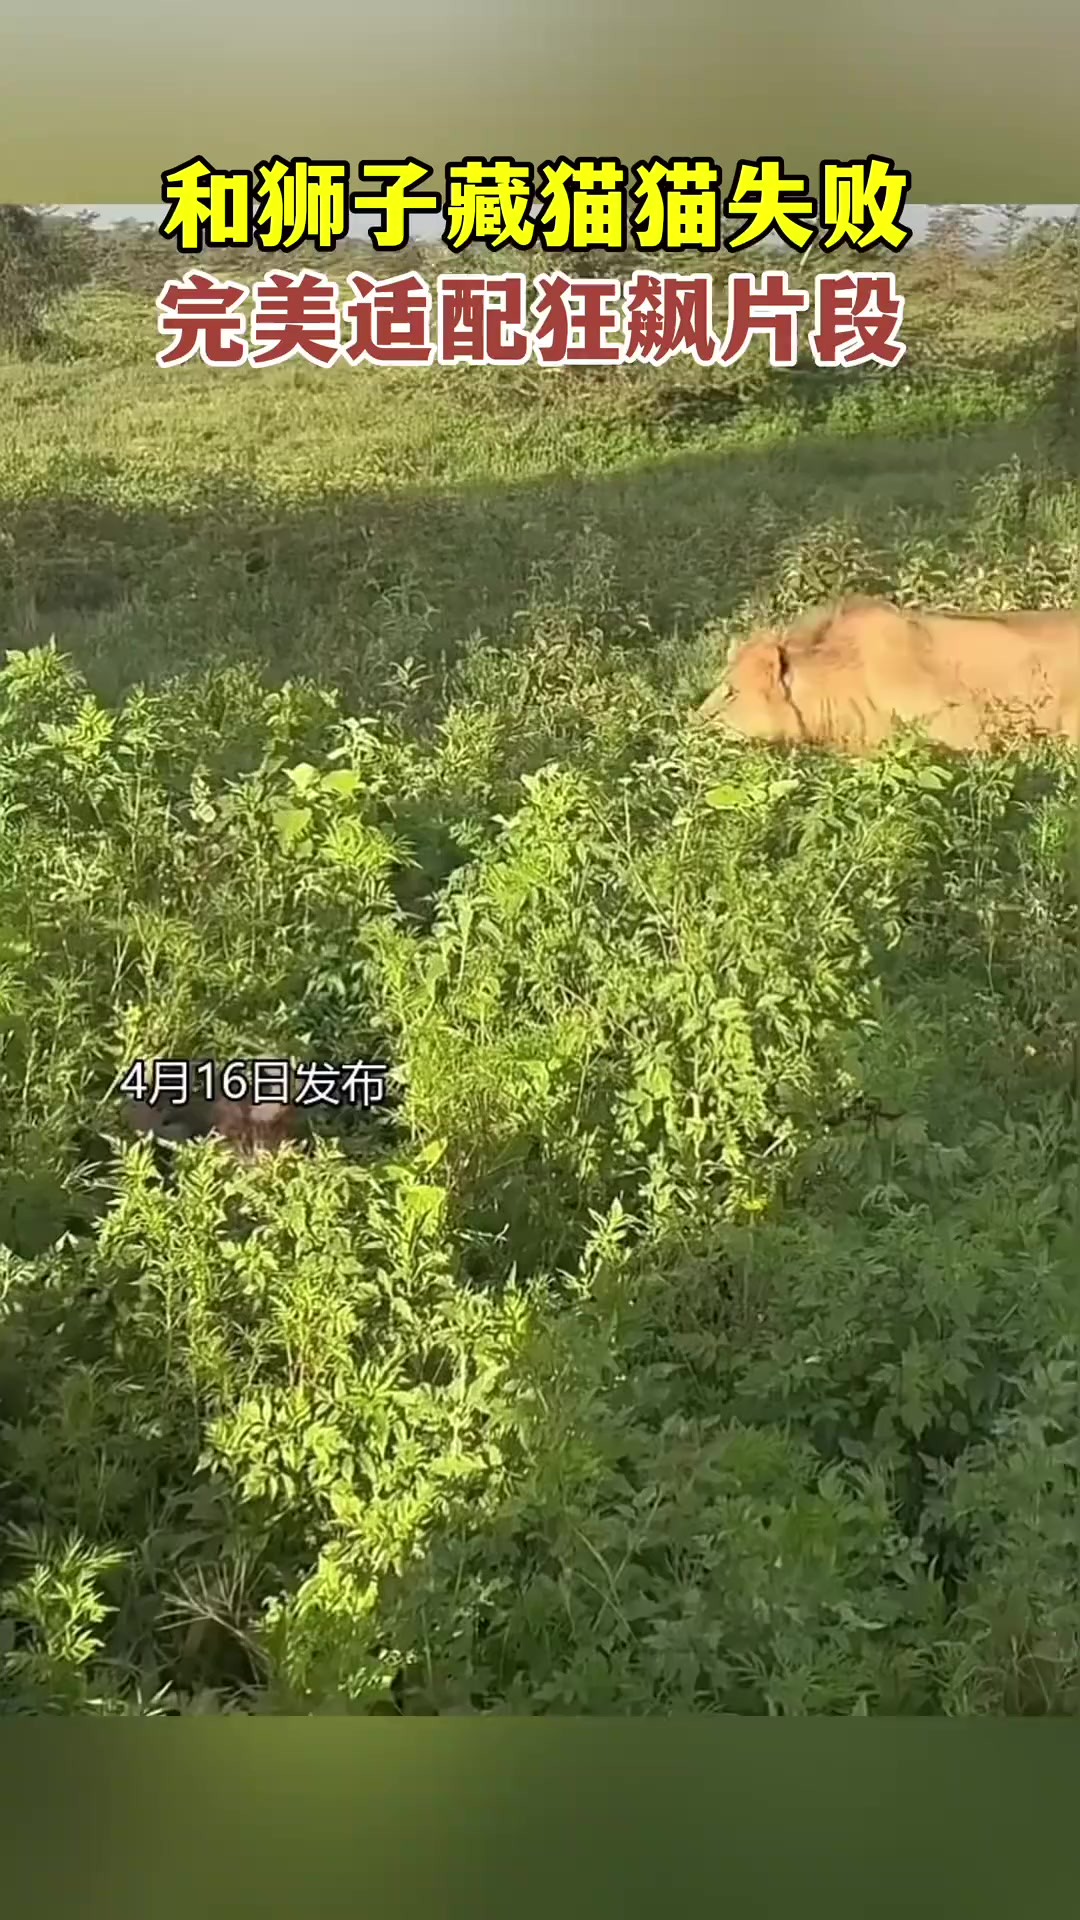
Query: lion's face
754	700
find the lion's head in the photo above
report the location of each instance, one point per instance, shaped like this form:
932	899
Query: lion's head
754	699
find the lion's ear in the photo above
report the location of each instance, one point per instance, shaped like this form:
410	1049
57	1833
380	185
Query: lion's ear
767	663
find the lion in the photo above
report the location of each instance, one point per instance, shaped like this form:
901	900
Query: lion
848	676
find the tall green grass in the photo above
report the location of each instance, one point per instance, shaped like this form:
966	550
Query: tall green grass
697	1327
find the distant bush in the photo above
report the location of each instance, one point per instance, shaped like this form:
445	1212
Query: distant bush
40	260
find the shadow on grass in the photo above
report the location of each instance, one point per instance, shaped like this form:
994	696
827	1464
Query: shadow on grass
649	557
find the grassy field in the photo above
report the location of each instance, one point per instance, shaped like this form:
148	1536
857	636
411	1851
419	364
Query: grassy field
697	1327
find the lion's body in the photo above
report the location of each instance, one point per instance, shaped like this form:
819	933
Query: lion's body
849	676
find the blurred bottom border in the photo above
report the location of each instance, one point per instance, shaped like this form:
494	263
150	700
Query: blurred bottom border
526	1817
